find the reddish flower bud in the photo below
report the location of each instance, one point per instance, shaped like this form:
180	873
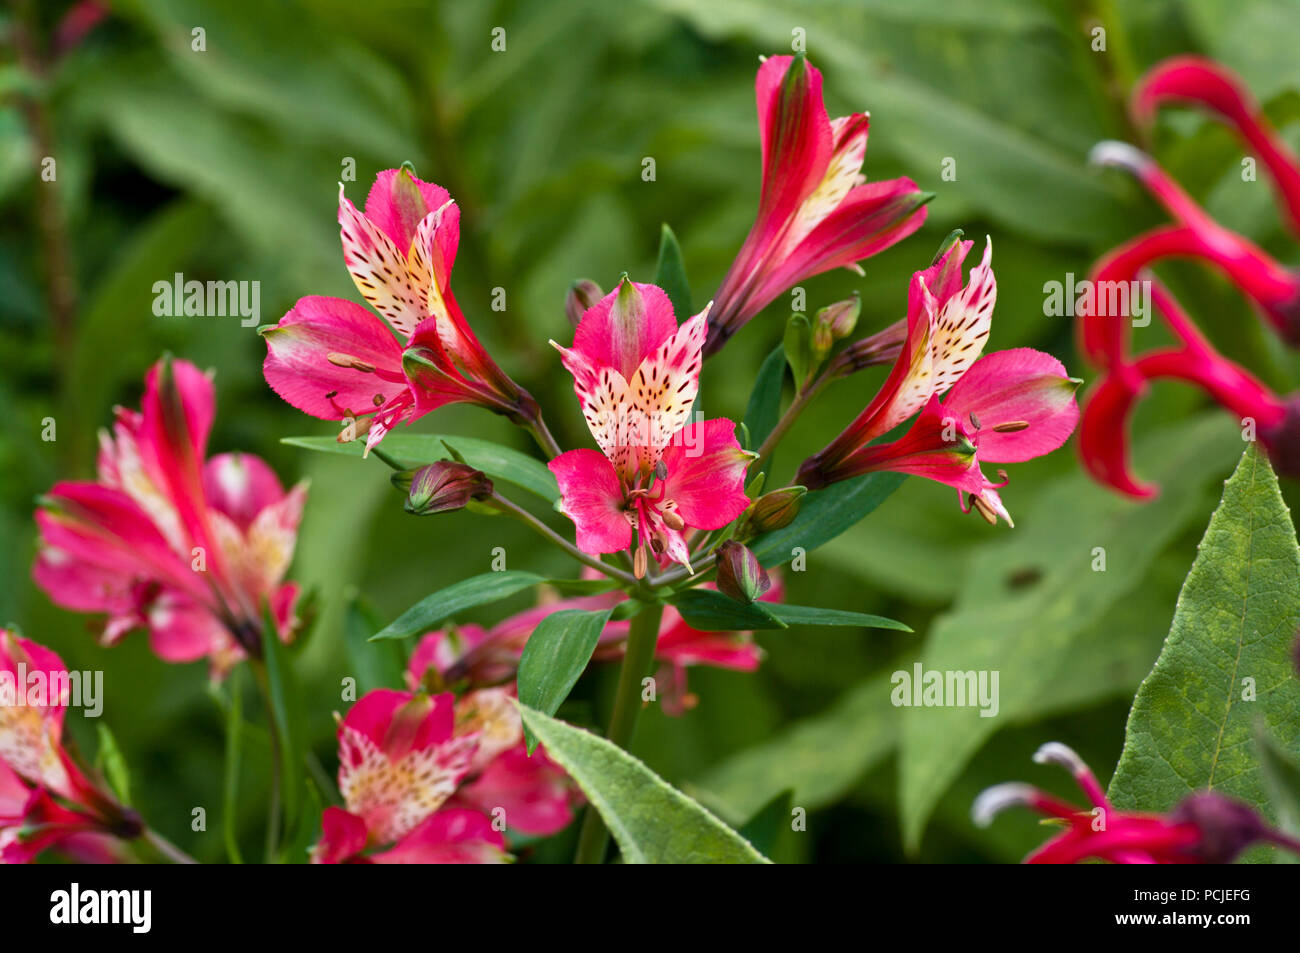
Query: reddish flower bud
835	322
775	510
739	574
583	294
443	486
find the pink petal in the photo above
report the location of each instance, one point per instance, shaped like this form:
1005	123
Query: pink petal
795	132
1020	385
535	793
398	202
240	485
388	719
706	474
182	631
342	837
451	836
620	331
593	498
297	358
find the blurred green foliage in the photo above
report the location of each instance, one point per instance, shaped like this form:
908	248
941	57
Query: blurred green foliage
223	164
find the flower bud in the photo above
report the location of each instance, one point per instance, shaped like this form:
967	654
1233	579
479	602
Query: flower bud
739	574
443	486
775	510
834	323
583	294
1227	826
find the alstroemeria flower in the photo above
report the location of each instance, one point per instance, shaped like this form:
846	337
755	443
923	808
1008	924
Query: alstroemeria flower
400	760
816	210
46	800
189	549
333	359
1205	827
636	374
1006	407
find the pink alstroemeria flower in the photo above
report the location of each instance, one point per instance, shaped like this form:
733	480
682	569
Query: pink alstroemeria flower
1205	828
189	549
816	210
335	360
46	801
636	374
400	760
1006	407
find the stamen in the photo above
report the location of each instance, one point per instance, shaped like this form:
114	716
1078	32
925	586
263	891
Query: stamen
639	563
347	360
1012	426
975	421
984	510
993	801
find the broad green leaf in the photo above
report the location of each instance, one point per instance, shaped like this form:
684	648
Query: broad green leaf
113	764
652	822
555	656
374	665
710	611
764	409
414	450
1030	602
823	515
1281	771
1227	663
670	274
456	598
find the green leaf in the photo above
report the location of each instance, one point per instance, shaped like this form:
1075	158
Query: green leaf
1281	771
764	408
823	515
1226	663
670	274
555	656
415	450
234	757
286	716
456	598
710	611
113	764
373	666
770	825
652	822
1032	601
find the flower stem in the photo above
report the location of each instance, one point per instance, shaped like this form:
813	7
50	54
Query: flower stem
642	637
801	400
542	434
551	535
273	805
167	848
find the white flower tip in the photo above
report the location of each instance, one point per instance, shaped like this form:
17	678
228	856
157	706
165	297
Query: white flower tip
1119	155
993	801
1062	756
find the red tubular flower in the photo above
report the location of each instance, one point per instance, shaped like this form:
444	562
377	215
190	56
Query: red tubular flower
335	360
189	549
46	800
1205	828
816	210
1006	407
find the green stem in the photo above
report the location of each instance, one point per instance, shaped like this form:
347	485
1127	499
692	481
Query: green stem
167	848
801	400
643	635
542	434
552	536
273	808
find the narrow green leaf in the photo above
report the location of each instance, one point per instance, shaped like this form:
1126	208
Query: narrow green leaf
1226	663
555	656
415	450
373	666
670	274
234	755
797	345
652	822
113	764
710	611
764	408
456	598
823	515
286	717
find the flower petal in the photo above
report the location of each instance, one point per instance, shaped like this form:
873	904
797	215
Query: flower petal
706	474
1017	386
592	497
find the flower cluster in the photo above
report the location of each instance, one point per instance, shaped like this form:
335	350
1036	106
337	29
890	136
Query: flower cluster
1273	288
